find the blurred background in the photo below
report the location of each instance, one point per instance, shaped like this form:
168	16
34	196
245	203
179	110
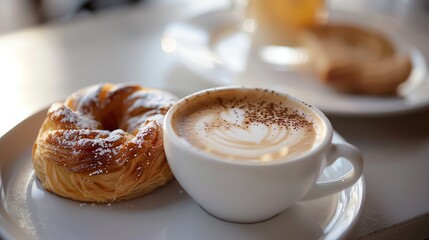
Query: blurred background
20	14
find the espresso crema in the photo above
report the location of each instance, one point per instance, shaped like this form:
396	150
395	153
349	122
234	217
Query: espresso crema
252	125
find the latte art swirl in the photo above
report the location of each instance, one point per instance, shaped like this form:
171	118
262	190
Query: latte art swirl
228	131
248	129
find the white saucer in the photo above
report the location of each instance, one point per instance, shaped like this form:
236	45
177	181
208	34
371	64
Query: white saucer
211	45
27	211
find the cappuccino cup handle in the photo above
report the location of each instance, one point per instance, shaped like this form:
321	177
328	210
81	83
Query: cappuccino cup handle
352	154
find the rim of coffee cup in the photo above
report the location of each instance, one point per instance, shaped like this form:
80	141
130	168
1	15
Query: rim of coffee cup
188	147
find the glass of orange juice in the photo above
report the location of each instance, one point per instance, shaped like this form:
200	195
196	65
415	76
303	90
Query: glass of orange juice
276	21
275	27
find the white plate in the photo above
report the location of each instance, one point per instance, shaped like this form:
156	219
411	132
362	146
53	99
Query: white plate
211	45
27	211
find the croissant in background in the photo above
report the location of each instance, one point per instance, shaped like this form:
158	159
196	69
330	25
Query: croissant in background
104	144
356	60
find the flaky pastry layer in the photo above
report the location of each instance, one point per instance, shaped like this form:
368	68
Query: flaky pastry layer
104	144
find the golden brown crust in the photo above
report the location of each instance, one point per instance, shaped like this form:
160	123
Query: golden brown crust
74	158
355	60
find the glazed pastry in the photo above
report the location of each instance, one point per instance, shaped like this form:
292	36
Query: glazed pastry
104	144
355	60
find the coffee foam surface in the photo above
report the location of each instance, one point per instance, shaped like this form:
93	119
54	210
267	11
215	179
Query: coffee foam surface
256	125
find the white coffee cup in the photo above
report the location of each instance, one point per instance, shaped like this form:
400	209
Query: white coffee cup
249	191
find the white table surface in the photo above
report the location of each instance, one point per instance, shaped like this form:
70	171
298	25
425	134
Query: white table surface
47	63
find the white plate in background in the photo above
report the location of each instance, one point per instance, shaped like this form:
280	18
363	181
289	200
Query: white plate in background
211	45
